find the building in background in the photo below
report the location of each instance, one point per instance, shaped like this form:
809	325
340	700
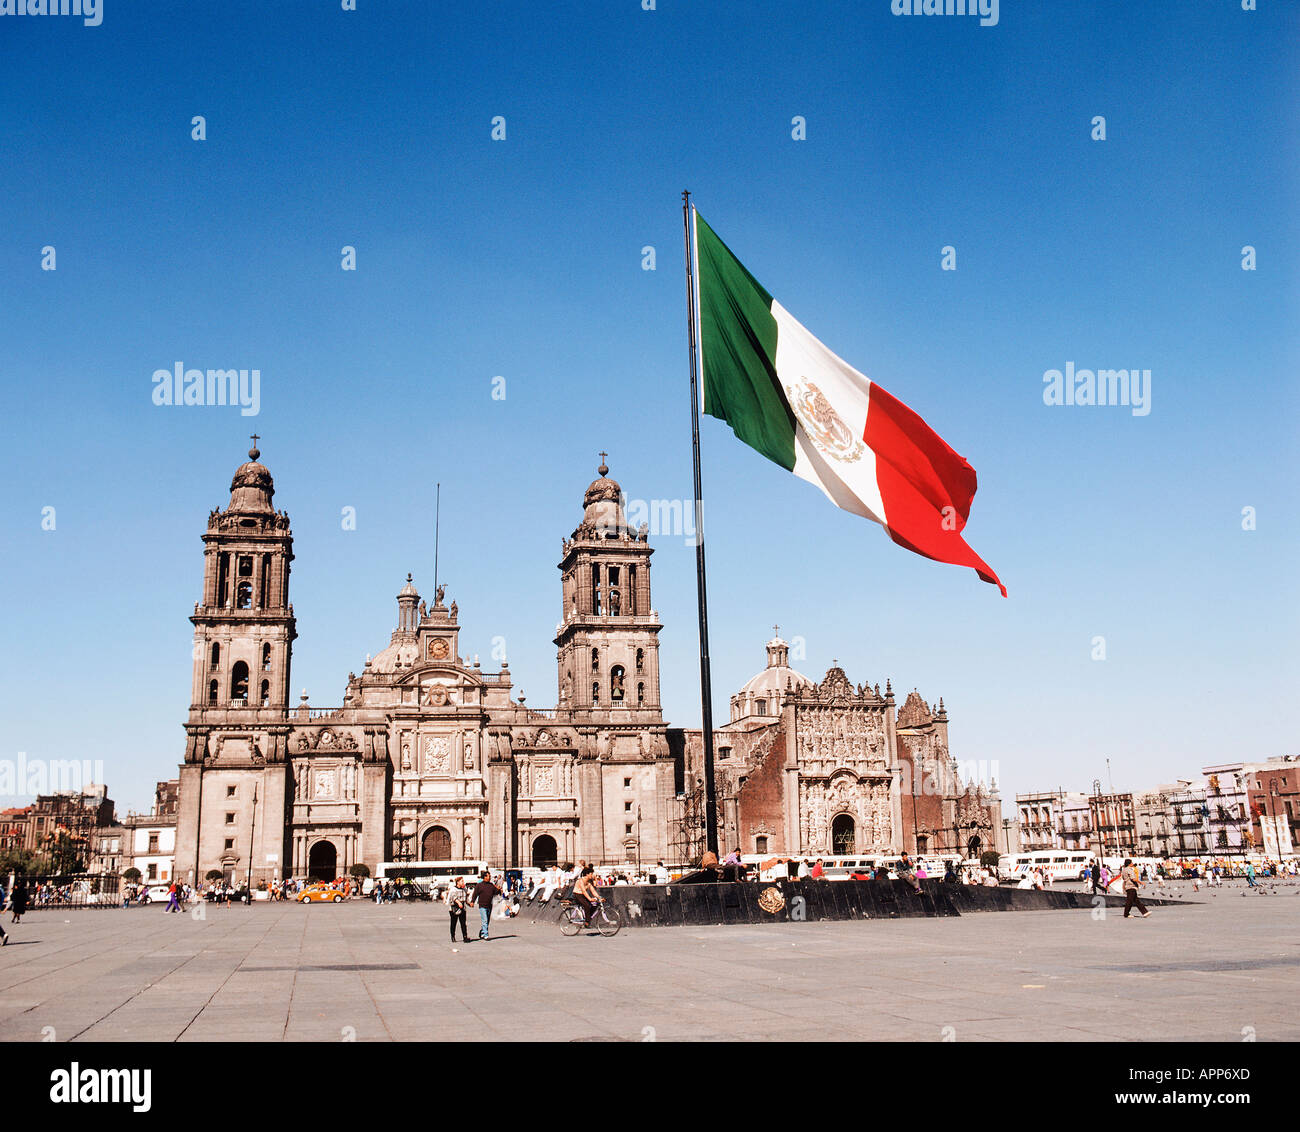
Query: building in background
150	839
829	768
1273	797
1228	824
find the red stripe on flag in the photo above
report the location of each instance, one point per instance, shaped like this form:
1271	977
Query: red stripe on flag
925	486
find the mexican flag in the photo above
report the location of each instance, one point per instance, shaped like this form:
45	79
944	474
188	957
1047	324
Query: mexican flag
786	395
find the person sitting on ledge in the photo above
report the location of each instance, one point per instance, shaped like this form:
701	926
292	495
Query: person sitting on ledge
908	873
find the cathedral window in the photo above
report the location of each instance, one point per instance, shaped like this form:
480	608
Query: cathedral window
616	684
595	693
760	844
762	707
266	693
216	656
245	566
239	683
212	692
244	595
640	660
640	695
266	657
613	591
595	589
223	578
230	791
631	590
595	659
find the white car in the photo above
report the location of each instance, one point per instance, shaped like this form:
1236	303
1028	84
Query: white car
156	892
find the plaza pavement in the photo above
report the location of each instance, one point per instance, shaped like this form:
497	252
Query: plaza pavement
1222	969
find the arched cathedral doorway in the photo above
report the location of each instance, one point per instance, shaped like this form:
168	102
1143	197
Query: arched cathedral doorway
436	845
843	835
545	852
322	861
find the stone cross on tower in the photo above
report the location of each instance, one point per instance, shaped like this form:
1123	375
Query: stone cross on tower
604	467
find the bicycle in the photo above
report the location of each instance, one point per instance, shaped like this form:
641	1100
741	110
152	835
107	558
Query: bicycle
606	920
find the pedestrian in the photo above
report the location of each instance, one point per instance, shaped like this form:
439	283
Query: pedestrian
4	936
173	899
1129	875
18	900
456	897
1250	874
484	893
1096	875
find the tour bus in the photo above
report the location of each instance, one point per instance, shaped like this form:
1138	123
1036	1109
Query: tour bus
432	875
1067	864
1059	864
842	867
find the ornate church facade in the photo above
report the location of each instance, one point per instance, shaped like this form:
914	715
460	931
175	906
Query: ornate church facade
430	757
830	768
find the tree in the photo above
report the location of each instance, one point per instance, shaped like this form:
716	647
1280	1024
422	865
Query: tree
359	870
18	861
989	858
132	875
212	874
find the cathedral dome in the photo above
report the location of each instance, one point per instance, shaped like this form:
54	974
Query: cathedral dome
773	678
603	505
770	686
252	488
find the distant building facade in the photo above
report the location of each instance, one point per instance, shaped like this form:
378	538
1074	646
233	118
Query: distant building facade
831	768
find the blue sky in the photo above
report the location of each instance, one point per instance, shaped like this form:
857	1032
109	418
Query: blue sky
522	259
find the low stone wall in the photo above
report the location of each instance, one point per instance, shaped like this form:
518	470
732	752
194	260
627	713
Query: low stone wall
784	901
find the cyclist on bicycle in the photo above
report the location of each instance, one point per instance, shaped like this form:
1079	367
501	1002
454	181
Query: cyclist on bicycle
584	893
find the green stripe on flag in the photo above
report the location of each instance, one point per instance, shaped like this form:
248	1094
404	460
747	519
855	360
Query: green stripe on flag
738	351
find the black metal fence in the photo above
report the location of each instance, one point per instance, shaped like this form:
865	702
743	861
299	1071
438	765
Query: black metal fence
80	890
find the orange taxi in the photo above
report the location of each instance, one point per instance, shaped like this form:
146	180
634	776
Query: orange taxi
320	894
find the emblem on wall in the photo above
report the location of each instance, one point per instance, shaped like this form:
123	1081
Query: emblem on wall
324	786
437	755
771	900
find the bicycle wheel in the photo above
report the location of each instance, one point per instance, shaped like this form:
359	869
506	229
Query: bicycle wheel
571	921
608	921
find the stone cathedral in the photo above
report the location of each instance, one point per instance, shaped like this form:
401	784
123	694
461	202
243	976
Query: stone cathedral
429	757
432	758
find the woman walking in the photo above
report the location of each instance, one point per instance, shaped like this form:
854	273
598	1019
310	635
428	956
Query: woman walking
456	897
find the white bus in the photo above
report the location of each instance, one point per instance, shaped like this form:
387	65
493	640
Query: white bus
433	875
843	867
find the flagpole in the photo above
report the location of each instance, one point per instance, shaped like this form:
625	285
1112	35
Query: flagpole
706	681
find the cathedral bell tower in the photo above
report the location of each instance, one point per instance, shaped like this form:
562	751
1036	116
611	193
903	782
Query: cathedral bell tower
608	637
233	792
244	625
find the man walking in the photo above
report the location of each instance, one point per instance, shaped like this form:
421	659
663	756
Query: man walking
456	897
1132	900
1096	875
484	893
173	898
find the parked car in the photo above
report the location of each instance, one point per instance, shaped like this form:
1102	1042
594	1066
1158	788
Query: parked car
319	894
155	892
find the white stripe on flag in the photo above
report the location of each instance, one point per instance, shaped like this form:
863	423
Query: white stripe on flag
838	463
